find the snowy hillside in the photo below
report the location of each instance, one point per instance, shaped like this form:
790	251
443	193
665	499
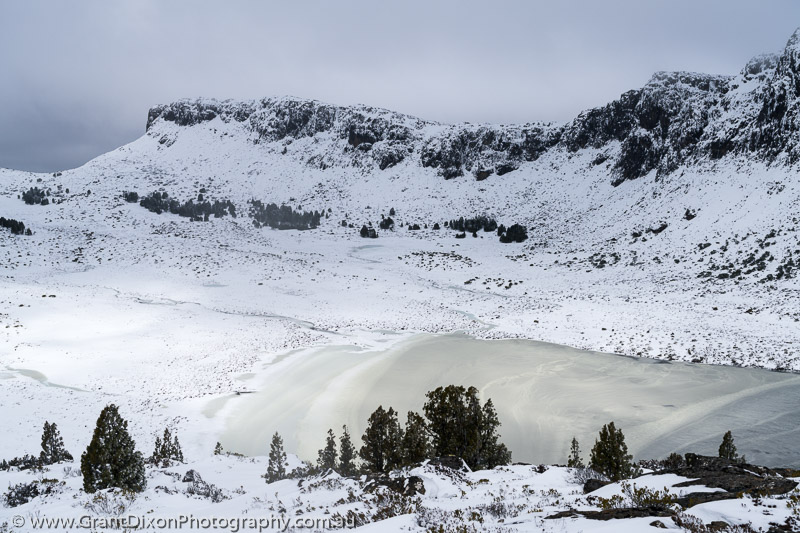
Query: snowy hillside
663	225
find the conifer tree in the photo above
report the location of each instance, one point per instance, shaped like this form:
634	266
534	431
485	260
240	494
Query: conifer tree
461	427
575	460
727	450
218	449
610	454
327	456
492	453
382	441
166	450
276	469
416	446
53	450
111	459
347	454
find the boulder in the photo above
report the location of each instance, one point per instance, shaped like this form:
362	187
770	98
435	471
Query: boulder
592	485
192	476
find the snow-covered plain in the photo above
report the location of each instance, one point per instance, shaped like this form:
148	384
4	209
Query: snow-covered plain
170	319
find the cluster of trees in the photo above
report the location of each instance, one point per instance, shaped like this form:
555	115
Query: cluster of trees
110	460
472	225
167	450
610	458
130	196
455	423
368	232
386	222
35	195
53	452
160	202
342	460
514	233
17	227
283	217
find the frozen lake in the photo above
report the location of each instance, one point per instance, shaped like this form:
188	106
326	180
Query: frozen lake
544	394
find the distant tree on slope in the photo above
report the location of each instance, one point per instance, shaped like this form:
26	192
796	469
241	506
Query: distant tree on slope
327	456
610	454
347	454
276	468
575	460
53	450
727	449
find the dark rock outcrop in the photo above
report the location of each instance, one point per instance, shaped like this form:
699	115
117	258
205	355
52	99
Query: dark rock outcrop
592	485
192	476
615	514
677	118
731	476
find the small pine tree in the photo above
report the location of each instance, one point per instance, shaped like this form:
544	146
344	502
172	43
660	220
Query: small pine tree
382	441
347	454
328	456
218	449
166	450
727	450
53	450
111	459
416	446
610	454
276	469
575	460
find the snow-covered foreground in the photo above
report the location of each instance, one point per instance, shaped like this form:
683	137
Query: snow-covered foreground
173	346
513	498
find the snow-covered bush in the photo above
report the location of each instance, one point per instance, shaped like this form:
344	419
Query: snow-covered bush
21	494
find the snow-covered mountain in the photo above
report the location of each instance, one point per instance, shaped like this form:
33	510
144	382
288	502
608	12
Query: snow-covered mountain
685	186
677	118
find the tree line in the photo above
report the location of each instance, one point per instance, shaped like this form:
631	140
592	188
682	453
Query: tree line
201	210
609	456
17	227
453	423
283	216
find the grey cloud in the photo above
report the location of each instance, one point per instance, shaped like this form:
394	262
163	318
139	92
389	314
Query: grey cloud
78	77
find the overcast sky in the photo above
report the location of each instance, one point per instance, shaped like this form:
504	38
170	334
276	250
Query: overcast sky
77	78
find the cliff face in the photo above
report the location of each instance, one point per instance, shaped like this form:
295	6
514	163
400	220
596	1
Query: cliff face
677	118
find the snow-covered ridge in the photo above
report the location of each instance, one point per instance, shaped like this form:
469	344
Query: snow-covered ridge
676	118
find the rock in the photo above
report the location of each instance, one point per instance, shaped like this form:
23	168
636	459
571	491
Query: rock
192	476
482	174
658	523
731	476
615	514
718	525
505	169
592	485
